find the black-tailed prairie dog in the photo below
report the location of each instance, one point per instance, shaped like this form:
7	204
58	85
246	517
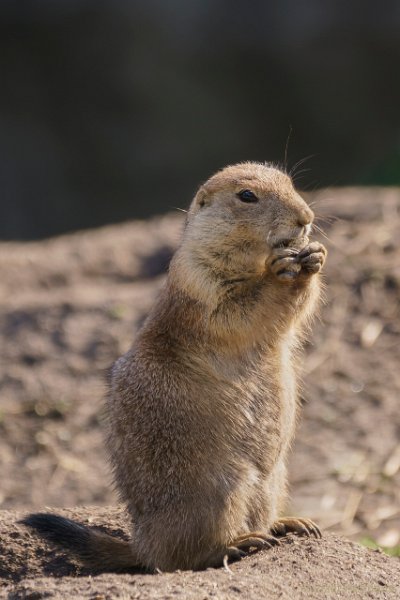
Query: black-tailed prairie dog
202	409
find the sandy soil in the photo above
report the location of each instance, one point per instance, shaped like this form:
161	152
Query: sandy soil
298	569
69	306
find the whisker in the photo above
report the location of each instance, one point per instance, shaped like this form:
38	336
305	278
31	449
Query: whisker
327	219
320	200
313	203
331	220
317	227
311	186
332	243
299	163
322	232
287	147
181	209
296	176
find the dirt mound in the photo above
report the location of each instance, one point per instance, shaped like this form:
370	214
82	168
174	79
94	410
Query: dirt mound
299	568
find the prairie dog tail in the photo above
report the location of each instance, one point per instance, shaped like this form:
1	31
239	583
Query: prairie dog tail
93	548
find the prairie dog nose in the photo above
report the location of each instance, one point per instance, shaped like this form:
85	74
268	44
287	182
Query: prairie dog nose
305	217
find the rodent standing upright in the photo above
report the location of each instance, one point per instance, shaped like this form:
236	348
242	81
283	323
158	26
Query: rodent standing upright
202	408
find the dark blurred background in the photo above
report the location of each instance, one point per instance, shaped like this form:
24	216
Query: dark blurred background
111	110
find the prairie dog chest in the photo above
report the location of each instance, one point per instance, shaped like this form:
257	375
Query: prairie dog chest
259	393
288	384
271	401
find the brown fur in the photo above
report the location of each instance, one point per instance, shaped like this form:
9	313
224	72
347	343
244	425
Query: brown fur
202	409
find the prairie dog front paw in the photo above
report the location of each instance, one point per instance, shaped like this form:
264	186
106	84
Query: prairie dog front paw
284	264
288	264
312	258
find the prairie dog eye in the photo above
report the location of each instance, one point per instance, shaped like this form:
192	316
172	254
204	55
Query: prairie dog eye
247	196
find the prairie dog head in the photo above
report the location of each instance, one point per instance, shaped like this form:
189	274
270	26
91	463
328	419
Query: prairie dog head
241	213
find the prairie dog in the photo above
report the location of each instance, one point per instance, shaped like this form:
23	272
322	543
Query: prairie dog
202	409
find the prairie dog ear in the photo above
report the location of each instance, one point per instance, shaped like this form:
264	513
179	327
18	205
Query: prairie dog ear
201	198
